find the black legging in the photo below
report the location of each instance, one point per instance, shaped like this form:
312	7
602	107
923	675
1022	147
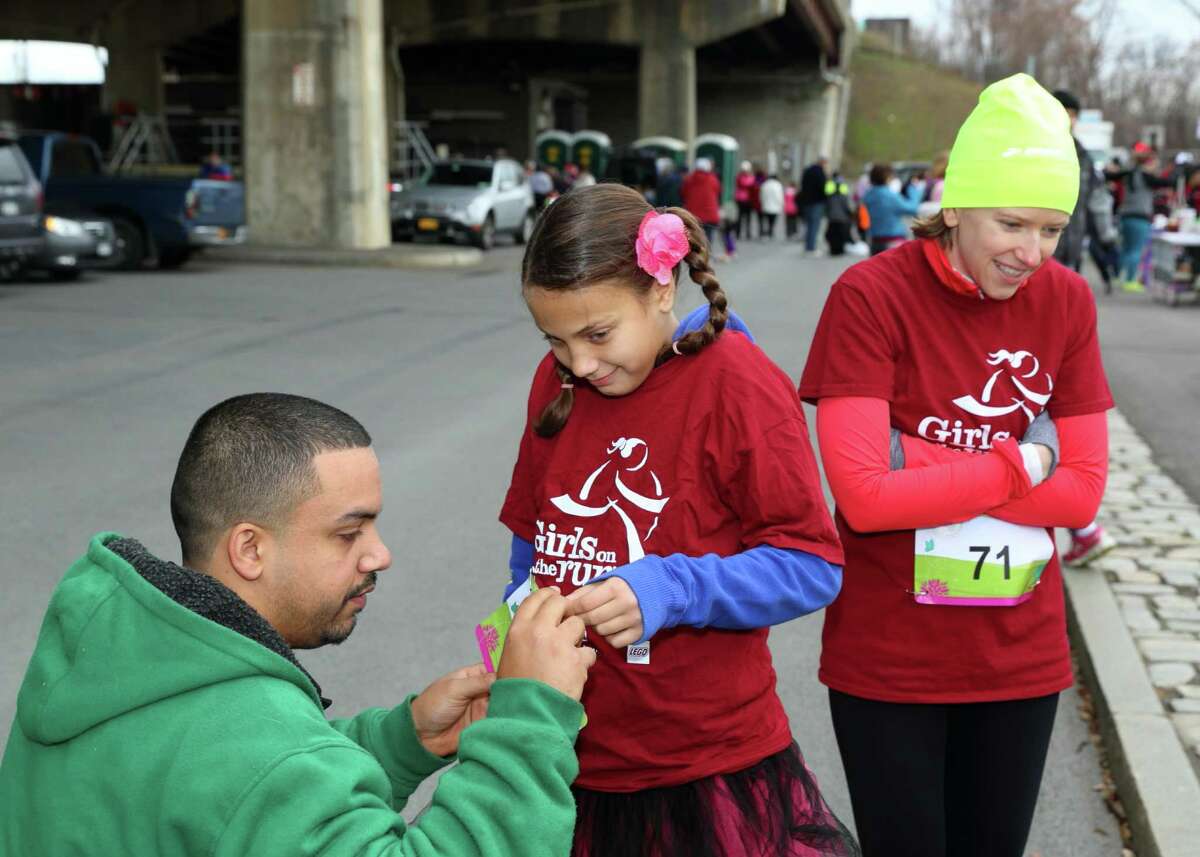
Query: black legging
837	233
745	209
943	780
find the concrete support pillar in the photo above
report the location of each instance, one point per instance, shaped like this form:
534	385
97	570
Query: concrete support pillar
314	135
134	73
667	75
667	91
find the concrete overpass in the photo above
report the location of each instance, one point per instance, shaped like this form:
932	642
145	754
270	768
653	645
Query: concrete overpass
322	81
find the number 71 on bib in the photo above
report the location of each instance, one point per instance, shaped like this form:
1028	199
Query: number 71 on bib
983	562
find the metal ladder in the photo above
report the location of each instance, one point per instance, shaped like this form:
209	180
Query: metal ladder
145	141
412	156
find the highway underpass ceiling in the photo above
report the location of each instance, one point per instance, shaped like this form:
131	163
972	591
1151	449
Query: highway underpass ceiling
777	44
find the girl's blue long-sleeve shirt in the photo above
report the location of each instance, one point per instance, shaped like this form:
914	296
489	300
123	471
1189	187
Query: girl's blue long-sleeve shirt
763	585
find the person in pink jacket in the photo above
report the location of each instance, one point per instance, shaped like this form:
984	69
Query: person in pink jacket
743	195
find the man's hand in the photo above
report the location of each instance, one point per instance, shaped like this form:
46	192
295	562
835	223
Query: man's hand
611	608
450	705
543	645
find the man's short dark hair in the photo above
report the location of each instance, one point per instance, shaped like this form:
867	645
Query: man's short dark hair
249	458
1067	100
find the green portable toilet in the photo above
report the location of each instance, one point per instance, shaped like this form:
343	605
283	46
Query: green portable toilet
663	147
722	150
553	148
590	150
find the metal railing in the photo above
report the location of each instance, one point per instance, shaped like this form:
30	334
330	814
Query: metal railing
223	136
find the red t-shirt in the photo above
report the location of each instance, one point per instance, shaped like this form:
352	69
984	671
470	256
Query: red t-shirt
709	455
963	372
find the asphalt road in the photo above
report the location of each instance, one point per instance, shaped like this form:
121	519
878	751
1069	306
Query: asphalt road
1152	357
101	380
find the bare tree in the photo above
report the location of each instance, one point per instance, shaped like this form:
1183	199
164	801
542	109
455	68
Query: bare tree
926	45
1063	42
1153	83
1191	6
1069	44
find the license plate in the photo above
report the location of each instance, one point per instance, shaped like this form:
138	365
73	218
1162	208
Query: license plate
104	249
10	209
427	224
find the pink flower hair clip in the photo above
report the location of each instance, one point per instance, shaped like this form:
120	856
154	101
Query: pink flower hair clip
661	244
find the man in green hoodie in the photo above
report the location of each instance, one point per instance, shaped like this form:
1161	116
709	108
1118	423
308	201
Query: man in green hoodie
164	712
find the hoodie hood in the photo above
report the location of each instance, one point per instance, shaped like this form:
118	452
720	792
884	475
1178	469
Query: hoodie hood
121	605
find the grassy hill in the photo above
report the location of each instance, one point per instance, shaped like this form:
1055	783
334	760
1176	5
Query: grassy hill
902	109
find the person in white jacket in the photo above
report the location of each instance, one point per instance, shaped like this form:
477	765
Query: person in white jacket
770	197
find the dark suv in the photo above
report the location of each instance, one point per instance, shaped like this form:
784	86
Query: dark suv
21	235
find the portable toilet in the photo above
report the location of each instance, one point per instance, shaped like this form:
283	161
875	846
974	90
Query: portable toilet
553	148
722	150
663	147
590	150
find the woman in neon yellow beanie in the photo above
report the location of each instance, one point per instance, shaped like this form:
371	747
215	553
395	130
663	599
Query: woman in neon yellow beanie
946	650
1014	152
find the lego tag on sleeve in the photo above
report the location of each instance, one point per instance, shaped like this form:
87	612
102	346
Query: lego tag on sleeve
638	653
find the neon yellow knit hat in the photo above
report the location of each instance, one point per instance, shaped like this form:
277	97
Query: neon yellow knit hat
1014	151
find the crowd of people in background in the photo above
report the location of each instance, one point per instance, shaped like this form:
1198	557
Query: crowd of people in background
1118	203
548	182
765	205
762	207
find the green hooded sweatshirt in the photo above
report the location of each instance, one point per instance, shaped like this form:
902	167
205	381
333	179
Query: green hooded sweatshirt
162	716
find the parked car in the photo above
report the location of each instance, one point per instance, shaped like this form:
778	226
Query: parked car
73	246
905	169
465	199
21	237
167	219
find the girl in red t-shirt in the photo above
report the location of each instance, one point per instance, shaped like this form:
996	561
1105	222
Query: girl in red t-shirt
666	483
946	652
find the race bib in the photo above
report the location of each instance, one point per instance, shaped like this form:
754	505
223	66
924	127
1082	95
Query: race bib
982	562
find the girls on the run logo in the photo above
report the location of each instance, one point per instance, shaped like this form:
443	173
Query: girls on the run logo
582	556
1012	387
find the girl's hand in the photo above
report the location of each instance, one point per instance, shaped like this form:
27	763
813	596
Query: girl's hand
611	608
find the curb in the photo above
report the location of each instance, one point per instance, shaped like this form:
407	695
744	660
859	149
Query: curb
411	257
1154	778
